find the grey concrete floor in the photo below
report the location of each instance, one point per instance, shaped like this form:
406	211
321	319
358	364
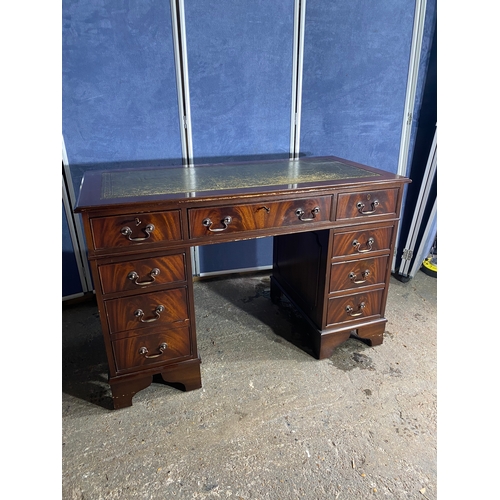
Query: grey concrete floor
271	422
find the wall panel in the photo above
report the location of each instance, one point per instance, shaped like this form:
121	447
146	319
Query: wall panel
240	79
71	280
119	99
240	76
356	57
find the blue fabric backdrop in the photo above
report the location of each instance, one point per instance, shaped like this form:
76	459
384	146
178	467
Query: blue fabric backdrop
356	59
119	99
240	81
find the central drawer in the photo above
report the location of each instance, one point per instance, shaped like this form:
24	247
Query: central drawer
147	310
210	221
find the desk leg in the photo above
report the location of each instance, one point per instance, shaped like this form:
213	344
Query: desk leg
185	374
371	334
124	390
324	344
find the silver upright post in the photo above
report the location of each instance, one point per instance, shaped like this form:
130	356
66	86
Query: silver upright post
297	70
182	79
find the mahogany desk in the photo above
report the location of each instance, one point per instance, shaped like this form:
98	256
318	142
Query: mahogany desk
334	224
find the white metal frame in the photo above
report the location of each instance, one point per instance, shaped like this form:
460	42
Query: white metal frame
427	241
184	104
299	25
411	85
182	78
411	90
75	227
422	201
74	241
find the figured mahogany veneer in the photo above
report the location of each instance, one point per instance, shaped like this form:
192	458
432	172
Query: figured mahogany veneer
142	311
357	274
361	242
354	307
334	224
154	348
140	274
361	205
130	229
258	216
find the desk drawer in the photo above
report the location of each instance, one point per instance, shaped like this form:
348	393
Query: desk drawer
147	310
357	273
144	350
366	204
210	221
354	307
136	229
142	273
362	242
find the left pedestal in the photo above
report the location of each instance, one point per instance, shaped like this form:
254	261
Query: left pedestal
145	302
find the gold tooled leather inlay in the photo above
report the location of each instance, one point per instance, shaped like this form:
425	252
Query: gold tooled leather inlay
163	181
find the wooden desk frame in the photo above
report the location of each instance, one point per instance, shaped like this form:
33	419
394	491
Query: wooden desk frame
334	224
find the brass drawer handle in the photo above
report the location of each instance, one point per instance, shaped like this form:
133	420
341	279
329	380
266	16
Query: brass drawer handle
139	313
364	274
350	311
208	224
360	206
369	244
300	213
143	351
126	231
133	276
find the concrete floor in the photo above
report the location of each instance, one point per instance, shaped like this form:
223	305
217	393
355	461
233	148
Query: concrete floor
270	422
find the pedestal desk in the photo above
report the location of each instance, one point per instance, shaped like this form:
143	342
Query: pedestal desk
334	224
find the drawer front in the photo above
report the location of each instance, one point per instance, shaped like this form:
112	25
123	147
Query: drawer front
207	222
362	242
354	307
143	273
366	204
136	229
143	350
358	273
147	310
